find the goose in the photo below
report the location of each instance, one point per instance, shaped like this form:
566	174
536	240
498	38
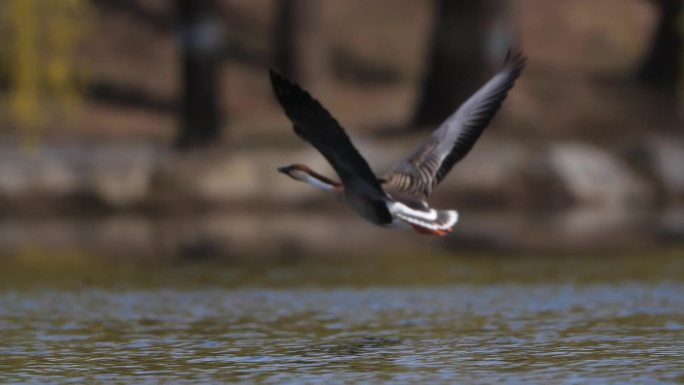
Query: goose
398	198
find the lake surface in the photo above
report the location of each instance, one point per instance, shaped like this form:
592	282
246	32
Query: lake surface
430	320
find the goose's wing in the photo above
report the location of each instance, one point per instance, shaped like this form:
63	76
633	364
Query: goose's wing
313	123
431	161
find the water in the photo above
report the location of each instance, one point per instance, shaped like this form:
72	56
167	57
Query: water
477	320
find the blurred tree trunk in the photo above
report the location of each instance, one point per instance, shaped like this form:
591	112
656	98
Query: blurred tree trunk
201	41
663	63
300	43
458	61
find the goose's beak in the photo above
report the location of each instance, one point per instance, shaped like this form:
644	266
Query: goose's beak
285	169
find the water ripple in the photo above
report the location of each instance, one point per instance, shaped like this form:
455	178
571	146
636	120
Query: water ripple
507	333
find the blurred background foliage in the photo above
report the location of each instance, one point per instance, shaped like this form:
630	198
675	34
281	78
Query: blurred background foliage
443	49
113	93
42	66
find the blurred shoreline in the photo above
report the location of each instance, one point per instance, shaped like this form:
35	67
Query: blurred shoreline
129	199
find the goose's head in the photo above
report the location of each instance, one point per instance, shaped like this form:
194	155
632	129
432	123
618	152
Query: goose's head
298	172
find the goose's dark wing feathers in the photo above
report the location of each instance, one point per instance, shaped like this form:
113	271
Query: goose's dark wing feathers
431	161
313	123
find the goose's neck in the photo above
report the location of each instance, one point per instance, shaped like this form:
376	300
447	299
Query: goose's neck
321	182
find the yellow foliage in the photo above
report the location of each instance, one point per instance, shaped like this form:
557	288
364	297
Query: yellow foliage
44	36
65	32
25	76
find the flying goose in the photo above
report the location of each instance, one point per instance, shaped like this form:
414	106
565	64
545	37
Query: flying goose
398	198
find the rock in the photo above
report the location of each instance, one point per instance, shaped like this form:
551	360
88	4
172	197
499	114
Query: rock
662	159
672	224
489	176
120	176
598	227
228	179
588	175
24	174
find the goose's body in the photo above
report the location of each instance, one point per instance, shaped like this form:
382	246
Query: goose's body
398	198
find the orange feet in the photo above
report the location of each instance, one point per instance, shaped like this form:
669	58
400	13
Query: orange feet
425	230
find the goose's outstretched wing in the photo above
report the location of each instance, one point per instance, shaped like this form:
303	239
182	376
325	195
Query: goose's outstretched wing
313	123
430	162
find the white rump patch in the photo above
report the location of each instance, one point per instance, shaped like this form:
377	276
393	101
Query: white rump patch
431	219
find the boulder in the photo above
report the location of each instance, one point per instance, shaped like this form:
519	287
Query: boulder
489	176
43	173
119	176
672	224
588	175
227	179
662	160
